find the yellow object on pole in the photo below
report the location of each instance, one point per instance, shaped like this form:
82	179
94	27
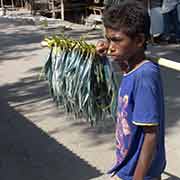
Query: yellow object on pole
166	63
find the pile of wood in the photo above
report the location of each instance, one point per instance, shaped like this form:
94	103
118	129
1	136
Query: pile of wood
58	7
69	9
15	3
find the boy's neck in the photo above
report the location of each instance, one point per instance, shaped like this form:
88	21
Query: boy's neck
135	61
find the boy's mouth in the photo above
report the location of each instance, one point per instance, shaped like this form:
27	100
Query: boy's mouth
120	63
119	59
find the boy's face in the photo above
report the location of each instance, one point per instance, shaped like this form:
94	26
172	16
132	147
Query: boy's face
122	48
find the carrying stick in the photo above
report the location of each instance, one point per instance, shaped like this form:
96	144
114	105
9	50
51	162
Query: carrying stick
161	61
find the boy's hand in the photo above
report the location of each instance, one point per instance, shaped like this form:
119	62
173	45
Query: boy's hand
102	47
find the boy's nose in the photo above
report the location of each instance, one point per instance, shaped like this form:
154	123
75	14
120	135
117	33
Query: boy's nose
111	50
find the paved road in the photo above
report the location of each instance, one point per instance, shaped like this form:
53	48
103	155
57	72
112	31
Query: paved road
39	141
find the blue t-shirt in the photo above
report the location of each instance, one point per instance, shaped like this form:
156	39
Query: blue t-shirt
140	103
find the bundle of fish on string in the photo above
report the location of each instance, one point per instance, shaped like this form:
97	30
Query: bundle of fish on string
80	80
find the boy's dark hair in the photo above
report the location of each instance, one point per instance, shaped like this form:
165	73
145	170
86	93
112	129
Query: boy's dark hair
131	17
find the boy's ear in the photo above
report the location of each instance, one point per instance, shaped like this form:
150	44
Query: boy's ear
140	40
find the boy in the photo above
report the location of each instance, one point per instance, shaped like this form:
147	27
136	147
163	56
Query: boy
140	147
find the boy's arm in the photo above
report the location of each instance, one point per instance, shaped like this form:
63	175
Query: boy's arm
147	152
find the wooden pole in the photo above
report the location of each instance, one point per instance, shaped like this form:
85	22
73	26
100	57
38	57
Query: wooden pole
3	8
2	4
62	10
53	9
31	6
21	3
12	3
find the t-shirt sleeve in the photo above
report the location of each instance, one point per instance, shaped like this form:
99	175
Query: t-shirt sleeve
147	100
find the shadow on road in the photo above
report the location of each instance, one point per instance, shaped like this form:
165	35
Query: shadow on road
171	80
28	153
18	38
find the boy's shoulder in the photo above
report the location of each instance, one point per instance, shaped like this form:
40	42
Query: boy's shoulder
148	68
148	71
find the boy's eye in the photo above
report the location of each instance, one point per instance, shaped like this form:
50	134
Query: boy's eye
113	39
116	39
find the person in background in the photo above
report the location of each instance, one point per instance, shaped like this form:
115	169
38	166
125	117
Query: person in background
171	21
152	3
140	146
154	9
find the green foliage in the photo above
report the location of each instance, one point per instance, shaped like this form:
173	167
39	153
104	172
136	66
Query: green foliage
79	79
44	23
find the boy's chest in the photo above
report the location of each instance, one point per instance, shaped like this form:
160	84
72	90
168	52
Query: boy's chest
126	97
